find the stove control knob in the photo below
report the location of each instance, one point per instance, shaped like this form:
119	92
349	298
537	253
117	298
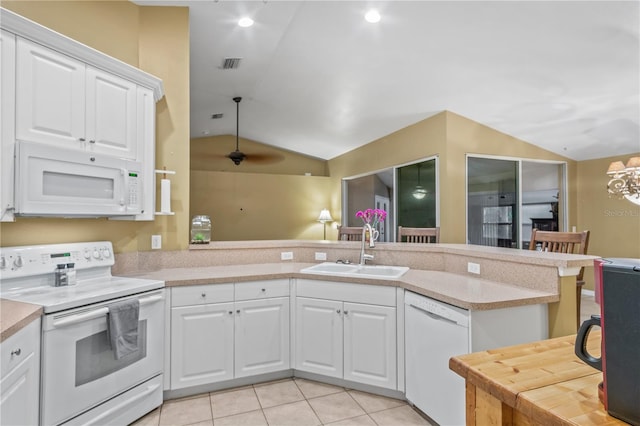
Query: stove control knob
3	263
18	262
96	254
106	253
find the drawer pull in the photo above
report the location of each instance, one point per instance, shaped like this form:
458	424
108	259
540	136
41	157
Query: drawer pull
264	289
204	295
338	311
17	352
346	312
230	312
238	311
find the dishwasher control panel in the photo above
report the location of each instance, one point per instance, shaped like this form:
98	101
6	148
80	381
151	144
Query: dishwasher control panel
437	309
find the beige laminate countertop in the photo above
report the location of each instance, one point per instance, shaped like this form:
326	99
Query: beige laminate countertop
458	290
15	316
462	291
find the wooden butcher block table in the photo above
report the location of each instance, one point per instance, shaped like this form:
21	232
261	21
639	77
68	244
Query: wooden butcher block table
540	383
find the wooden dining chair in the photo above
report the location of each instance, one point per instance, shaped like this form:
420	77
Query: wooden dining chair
563	242
418	235
349	233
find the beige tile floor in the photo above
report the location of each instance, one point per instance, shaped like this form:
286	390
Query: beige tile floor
296	402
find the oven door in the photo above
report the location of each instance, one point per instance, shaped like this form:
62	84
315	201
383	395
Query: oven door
79	369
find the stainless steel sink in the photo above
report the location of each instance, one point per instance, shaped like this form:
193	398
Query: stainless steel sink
356	271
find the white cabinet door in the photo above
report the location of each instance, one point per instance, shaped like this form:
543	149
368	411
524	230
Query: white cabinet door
111	114
7	122
20	383
370	344
50	96
261	336
201	344
319	336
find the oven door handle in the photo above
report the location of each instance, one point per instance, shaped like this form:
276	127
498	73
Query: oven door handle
97	313
78	318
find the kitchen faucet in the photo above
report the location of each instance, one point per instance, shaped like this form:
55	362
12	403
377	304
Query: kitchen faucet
363	256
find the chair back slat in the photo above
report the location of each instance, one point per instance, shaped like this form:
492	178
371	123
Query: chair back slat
561	242
349	233
418	235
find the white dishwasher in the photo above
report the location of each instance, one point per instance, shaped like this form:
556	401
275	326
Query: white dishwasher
434	332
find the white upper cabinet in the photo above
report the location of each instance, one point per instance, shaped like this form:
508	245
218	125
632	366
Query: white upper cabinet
111	114
65	102
50	96
7	118
59	92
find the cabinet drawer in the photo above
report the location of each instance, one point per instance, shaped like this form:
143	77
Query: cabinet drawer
347	292
262	289
18	347
201	294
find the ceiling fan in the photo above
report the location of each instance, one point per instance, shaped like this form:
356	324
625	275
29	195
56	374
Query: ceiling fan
238	156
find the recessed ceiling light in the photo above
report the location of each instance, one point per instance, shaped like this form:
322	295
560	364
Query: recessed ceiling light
245	22
372	16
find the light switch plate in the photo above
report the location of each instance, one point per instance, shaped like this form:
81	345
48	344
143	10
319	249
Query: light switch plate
321	256
473	268
286	255
156	242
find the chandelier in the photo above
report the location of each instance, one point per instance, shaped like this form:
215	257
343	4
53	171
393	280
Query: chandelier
625	180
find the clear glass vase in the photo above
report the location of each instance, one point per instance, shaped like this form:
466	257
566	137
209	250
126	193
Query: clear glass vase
200	229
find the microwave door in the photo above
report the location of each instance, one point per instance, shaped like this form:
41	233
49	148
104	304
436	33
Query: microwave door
58	182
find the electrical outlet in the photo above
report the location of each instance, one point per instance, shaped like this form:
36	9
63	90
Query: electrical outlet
321	256
156	242
473	268
286	255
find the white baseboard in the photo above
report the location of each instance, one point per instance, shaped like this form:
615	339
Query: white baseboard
586	292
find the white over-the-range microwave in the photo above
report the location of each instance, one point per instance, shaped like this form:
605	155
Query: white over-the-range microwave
53	181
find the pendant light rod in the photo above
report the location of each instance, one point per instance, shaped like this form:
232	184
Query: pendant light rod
237	100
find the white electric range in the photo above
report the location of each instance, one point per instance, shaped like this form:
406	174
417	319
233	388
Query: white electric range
81	379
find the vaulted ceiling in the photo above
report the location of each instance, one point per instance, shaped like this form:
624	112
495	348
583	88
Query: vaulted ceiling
318	79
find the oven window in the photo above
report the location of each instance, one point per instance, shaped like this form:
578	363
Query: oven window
95	358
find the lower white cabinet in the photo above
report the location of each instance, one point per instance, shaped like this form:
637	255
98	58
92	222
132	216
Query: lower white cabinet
261	336
212	342
344	339
20	382
201	344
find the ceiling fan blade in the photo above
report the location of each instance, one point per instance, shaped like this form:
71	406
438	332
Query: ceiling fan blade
264	158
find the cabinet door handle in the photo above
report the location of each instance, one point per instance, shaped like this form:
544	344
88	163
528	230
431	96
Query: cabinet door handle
92	141
346	312
17	352
230	312
204	295
338	310
81	139
238	311
264	289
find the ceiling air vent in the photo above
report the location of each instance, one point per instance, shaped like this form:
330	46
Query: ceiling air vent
217	115
231	63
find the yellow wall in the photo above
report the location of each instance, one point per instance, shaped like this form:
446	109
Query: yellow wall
155	39
614	223
253	206
451	137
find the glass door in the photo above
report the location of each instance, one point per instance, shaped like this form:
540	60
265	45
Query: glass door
492	202
506	198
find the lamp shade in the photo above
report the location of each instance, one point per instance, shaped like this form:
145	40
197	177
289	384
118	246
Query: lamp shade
325	216
615	167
